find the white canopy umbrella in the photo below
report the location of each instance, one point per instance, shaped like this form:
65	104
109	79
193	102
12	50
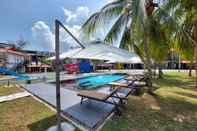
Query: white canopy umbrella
134	60
67	54
99	51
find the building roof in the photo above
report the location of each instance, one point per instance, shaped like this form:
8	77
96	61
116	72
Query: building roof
4	50
6	45
38	53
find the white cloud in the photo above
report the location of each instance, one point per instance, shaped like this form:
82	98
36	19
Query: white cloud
83	12
73	29
78	16
70	17
43	38
74	20
66	40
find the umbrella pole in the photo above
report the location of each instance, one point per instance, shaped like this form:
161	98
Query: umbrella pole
65	29
57	70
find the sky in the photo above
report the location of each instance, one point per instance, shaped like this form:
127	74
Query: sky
33	20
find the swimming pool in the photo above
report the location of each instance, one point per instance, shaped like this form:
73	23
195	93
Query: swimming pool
92	82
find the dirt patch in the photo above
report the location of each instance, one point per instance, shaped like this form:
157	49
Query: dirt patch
150	102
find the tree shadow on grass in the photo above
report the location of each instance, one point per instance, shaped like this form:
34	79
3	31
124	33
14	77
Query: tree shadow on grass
176	105
179	112
46	123
175	113
194	96
43	124
171	81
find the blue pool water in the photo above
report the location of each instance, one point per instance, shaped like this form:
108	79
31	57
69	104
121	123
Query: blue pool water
92	82
18	76
23	78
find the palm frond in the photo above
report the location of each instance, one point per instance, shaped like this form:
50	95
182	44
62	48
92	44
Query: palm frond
169	5
90	25
139	50
102	17
115	31
113	9
126	40
138	15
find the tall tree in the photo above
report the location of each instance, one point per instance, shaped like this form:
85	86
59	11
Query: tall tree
134	23
186	34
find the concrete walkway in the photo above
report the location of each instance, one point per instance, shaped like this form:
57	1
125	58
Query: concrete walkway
90	114
14	96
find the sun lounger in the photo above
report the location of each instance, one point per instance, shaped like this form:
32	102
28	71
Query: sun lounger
102	97
118	84
130	85
135	77
138	80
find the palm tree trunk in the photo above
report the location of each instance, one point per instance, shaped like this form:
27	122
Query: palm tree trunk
196	63
190	71
160	75
194	34
190	67
155	70
148	65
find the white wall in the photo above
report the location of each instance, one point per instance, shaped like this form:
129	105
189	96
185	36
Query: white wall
13	60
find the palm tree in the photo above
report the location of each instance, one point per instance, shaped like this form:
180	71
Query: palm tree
186	33
135	24
186	50
190	25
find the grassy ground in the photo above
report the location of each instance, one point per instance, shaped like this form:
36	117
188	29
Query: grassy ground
173	109
25	114
5	90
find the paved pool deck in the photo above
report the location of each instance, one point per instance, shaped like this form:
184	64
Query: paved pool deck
91	114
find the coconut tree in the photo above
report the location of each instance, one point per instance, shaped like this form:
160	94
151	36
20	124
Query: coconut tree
186	33
190	27
158	44
134	23
186	50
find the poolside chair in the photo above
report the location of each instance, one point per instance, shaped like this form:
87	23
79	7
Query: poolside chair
129	85
136	77
137	80
111	98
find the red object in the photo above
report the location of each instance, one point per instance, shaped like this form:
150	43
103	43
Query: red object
71	68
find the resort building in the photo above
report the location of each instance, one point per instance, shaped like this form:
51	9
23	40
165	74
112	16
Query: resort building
11	58
23	60
35	63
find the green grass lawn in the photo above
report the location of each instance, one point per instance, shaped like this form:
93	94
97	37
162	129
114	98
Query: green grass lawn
173	109
5	90
25	114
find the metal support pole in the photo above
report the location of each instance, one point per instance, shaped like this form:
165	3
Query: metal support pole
58	24
57	61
